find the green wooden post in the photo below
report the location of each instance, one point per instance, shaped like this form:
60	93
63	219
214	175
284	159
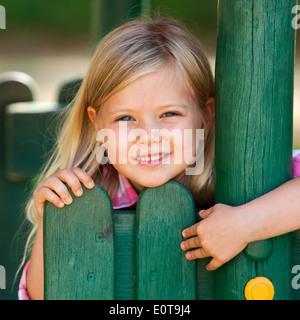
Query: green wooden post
163	271
107	15
79	249
254	127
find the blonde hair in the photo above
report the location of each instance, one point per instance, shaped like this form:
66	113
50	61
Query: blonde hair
136	48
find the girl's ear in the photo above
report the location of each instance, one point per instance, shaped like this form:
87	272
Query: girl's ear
209	111
92	115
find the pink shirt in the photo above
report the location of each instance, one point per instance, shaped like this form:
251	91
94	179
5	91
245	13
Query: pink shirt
126	197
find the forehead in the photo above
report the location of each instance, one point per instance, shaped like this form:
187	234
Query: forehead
151	90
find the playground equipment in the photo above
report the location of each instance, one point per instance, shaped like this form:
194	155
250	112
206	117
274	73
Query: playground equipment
120	254
254	128
93	252
27	133
14	87
254	107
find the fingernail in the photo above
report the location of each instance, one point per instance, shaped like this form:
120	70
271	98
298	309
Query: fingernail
188	255
79	192
91	184
61	204
183	233
182	245
69	200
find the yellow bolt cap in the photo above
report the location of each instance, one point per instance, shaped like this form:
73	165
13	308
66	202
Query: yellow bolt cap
259	288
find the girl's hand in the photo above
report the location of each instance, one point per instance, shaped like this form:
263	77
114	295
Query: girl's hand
53	189
222	234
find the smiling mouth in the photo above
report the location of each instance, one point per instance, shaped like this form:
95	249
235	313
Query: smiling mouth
152	160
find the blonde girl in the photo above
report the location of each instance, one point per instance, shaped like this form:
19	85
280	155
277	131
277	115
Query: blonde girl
159	71
148	75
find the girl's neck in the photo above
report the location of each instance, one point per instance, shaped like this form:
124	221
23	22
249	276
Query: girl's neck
139	188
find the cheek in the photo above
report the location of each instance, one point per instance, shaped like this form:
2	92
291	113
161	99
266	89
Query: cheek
185	146
122	149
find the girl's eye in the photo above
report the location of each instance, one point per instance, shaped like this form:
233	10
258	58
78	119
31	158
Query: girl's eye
125	118
170	114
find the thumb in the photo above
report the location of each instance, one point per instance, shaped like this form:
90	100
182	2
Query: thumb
205	213
213	265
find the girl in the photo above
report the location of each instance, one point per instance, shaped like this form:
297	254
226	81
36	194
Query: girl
149	75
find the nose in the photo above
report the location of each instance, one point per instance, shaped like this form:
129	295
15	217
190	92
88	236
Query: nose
149	132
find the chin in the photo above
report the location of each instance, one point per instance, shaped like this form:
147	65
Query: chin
155	183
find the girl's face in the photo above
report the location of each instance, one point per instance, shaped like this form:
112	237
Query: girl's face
145	124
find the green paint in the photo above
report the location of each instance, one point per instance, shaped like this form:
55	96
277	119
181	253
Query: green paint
140	258
163	272
254	125
78	264
259	251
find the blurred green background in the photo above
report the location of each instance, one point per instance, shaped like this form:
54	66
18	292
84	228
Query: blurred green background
53	40
72	18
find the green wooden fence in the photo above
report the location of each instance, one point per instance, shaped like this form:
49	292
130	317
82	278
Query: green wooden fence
14	87
27	133
94	252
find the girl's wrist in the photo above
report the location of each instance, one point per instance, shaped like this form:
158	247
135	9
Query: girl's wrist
249	223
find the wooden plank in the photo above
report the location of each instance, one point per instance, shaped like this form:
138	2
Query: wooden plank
277	268
125	255
295	263
79	248
205	279
162	269
254	123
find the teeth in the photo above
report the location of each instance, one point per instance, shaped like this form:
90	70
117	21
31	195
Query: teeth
154	158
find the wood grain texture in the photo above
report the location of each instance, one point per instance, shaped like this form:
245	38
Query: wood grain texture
113	267
125	254
79	248
254	124
162	269
295	260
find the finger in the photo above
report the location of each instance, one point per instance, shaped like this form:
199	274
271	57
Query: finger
197	254
44	194
213	265
73	177
190	232
84	178
72	180
193	242
55	184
